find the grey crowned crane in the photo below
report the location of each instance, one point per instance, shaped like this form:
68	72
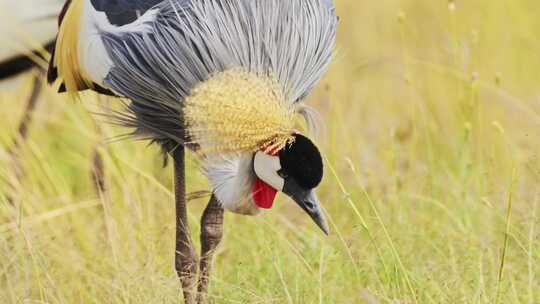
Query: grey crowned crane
223	78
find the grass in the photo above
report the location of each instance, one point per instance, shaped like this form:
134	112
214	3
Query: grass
432	143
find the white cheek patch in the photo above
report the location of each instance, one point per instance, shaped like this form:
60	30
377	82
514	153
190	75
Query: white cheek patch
267	167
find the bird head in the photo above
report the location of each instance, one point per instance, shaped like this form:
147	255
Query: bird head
296	170
237	112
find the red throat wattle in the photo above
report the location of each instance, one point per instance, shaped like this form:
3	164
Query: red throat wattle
263	194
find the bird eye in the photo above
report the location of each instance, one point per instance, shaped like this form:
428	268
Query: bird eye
282	174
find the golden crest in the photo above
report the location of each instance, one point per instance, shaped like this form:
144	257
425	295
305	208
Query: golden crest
236	110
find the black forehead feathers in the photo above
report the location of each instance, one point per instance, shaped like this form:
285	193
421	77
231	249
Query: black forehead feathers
302	161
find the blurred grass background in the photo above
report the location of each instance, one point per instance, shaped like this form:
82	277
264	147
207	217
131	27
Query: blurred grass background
432	112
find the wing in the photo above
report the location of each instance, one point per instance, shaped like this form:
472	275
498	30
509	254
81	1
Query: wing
290	40
156	52
27	32
79	57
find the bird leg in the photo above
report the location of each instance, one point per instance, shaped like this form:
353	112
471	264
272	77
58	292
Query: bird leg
98	171
185	256
211	234
98	164
22	130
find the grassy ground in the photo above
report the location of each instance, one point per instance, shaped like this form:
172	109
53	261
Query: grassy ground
431	187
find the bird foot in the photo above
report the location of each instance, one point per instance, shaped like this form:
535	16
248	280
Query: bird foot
186	268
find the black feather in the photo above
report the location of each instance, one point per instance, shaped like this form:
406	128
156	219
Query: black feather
303	162
122	12
52	72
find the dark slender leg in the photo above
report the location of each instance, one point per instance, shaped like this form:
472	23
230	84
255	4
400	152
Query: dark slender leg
98	171
185	257
22	130
211	234
30	106
98	166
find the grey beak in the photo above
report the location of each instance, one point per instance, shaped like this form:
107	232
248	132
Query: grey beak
308	201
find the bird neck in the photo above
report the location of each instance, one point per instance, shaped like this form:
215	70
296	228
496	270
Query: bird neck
232	179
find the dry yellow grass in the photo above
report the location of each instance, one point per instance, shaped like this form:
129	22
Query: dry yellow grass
433	122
